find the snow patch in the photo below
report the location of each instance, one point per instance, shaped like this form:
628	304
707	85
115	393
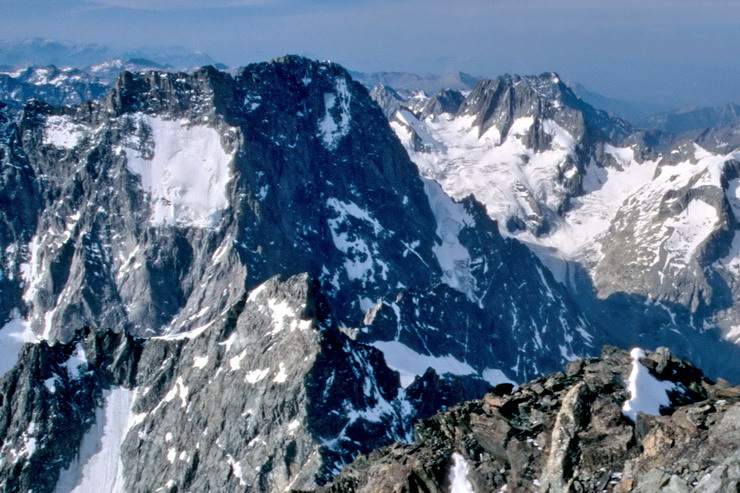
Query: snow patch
647	393
279	313
495	377
410	364
98	466
31	270
622	155
51	384
178	389
13	335
186	176
62	133
255	376
336	121
76	361
458	476
200	361
359	260
236	468
690	229
453	257
281	376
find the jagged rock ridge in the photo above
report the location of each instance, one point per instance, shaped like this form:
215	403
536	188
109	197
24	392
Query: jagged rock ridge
303	176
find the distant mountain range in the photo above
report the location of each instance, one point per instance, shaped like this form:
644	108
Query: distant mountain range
632	111
406	82
41	52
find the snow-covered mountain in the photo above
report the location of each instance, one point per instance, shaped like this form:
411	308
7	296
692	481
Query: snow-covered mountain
51	84
108	71
270	265
69	86
640	227
243	281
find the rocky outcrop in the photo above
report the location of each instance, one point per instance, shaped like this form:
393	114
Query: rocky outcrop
272	396
568	432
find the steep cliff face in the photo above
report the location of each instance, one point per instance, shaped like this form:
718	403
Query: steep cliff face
644	423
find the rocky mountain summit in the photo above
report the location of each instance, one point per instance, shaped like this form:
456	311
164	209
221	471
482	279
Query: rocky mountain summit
646	423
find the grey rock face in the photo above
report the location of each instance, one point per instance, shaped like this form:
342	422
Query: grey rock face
500	101
271	396
444	101
48	401
631	263
269	399
566	432
388	99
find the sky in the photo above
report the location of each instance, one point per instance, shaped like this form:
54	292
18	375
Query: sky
668	52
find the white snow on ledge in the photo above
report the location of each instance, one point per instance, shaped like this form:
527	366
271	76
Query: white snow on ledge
452	256
187	175
332	129
647	393
459	482
13	335
62	133
410	364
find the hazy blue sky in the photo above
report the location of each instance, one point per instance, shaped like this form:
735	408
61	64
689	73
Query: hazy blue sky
660	50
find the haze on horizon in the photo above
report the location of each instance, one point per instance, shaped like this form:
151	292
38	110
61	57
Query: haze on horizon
668	52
